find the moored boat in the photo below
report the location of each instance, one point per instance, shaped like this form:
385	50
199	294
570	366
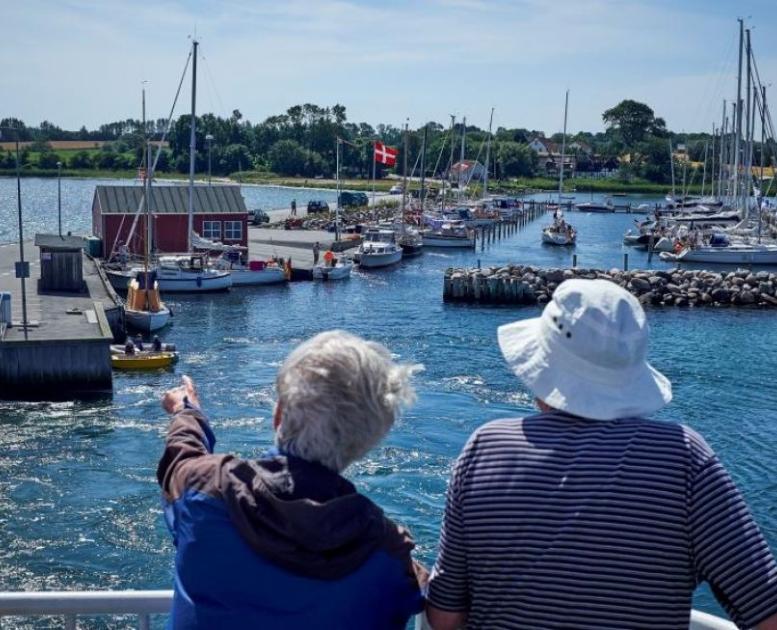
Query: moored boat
143	361
250	272
379	249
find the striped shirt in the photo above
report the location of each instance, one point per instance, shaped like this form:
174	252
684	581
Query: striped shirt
555	521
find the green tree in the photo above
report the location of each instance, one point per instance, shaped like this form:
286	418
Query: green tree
287	157
48	159
633	122
516	160
80	160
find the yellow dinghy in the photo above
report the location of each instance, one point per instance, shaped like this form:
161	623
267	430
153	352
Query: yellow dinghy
145	361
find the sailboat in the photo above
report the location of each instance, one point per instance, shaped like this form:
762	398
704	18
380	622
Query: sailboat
409	238
191	272
335	267
560	232
144	309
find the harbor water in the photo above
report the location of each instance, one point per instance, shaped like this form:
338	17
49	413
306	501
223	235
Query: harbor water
79	504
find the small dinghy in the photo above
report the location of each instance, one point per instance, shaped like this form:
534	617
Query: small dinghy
143	360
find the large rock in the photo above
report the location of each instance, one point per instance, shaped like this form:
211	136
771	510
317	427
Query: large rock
640	285
553	275
721	295
747	297
672	288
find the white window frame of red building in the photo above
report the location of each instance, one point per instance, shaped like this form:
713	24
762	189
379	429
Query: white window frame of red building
208	230
231	228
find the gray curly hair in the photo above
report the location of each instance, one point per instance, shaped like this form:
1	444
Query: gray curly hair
338	396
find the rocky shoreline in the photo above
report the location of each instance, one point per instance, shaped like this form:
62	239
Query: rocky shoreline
527	285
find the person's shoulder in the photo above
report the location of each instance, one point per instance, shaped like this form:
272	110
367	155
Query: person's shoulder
666	431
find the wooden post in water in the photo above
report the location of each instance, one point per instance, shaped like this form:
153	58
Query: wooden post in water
625	261
650	246
574	261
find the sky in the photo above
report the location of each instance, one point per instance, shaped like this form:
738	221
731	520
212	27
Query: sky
76	62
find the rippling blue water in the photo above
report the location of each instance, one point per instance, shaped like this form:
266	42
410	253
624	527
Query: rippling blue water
79	506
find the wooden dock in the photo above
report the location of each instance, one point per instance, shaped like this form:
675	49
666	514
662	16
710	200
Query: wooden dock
66	351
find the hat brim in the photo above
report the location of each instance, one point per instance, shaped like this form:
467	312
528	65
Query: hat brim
636	392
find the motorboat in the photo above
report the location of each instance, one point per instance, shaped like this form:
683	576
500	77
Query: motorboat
250	272
449	234
559	232
379	249
144	309
411	242
595	206
336	268
143	361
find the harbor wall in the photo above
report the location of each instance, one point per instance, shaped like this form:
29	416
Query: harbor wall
527	285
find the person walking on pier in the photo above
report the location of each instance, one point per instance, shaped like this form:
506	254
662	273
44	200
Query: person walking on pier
316	251
589	515
285	541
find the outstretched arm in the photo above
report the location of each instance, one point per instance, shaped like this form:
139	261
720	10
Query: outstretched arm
189	437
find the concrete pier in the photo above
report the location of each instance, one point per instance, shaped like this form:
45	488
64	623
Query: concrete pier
66	352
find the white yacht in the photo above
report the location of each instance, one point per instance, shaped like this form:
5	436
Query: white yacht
449	234
250	272
379	249
559	233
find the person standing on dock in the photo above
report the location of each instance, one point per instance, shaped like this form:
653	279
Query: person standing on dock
294	207
587	514
285	541
316	251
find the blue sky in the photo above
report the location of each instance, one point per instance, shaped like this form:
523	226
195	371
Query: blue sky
77	62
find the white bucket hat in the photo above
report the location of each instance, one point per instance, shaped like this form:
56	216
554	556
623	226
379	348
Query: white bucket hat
586	354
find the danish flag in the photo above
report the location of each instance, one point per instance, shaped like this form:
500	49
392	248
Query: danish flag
385	155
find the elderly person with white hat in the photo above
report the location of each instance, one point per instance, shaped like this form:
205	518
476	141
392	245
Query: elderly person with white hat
284	540
588	514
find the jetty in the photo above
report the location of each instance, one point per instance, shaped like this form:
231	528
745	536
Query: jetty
73	315
524	285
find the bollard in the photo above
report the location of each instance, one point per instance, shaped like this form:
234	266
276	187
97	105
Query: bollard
478	263
574	261
625	261
482	239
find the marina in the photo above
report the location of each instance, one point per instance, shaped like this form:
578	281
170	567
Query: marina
469	253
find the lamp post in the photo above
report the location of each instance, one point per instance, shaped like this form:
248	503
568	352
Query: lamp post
22	267
59	197
209	140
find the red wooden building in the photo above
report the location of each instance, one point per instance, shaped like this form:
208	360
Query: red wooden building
220	214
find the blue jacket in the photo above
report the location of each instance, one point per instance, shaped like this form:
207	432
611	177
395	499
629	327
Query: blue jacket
277	543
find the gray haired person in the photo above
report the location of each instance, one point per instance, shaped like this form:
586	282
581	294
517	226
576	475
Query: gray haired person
589	515
285	541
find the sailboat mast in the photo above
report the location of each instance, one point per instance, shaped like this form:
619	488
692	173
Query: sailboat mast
739	113
192	146
461	155
450	163
723	129
747	138
147	191
563	149
671	166
404	178
423	166
704	169
337	189
488	154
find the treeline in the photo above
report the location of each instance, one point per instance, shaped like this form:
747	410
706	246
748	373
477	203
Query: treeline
302	142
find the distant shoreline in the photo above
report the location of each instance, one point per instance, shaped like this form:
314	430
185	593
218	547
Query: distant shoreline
579	185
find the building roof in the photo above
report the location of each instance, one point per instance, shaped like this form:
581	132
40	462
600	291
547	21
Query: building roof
171	199
55	241
465	165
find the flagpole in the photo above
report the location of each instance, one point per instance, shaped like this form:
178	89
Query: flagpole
374	161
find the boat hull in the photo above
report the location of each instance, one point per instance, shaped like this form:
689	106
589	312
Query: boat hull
339	272
449	241
559	240
730	255
147	321
247	277
190	282
370	261
150	361
408	251
594	207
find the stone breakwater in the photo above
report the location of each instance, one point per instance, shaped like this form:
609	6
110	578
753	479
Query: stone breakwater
525	285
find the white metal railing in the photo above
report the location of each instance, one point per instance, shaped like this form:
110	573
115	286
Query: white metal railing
70	604
143	604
